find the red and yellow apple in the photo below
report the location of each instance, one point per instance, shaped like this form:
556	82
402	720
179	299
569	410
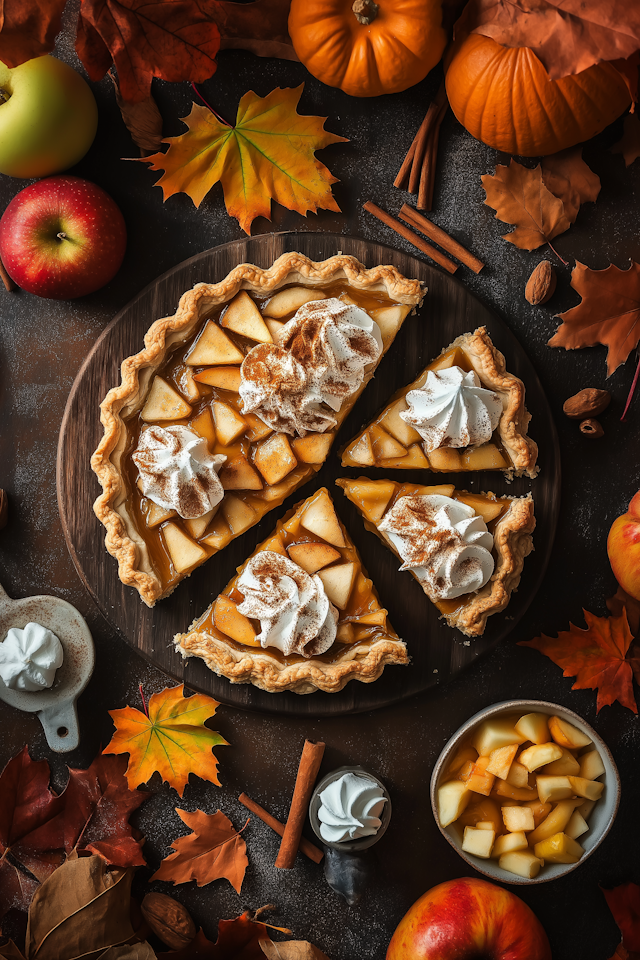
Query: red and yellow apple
48	118
468	918
62	237
623	547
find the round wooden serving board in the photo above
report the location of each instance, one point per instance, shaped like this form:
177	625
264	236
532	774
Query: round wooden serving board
438	653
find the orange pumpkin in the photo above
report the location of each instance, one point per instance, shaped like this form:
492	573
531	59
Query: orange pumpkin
368	48
505	97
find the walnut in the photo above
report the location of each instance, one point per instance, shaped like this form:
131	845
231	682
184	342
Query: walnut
169	920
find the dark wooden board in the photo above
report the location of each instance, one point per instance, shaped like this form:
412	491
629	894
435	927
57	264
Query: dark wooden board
438	652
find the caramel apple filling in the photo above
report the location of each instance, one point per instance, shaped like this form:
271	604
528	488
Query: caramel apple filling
311	537
198	388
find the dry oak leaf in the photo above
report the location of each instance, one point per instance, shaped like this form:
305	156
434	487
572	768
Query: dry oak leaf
261	27
82	908
519	196
569	178
566	35
608	314
596	657
176	40
624	903
268	155
629	145
171	739
28	29
214	850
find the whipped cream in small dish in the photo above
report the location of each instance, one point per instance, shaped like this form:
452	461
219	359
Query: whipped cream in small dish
350	808
29	658
295	614
443	541
297	385
453	409
177	471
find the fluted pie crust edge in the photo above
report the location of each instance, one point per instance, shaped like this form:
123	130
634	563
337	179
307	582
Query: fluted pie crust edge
122	538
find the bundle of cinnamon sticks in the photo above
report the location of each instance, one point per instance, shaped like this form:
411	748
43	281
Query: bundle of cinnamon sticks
417	173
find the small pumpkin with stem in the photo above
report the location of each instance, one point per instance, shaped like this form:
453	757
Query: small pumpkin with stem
368	47
505	98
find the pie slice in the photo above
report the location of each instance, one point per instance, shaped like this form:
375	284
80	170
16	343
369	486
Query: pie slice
429	429
184	468
444	560
312	547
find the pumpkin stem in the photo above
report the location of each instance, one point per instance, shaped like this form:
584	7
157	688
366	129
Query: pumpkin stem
365	11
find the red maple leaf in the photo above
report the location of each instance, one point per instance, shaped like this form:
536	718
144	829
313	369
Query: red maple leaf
596	657
238	939
624	903
28	29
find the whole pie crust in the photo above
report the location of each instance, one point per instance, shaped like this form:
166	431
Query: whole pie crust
512	542
122	538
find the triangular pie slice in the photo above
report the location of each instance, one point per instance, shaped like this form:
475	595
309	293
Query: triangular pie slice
189	376
510	520
312	536
390	442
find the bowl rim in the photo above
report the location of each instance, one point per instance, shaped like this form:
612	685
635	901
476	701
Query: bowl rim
351	846
507	706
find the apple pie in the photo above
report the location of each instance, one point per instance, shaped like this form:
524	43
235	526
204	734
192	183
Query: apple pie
466	550
464	412
300	614
233	403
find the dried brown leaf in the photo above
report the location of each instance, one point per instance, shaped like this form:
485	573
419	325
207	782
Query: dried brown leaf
567	35
519	197
291	950
142	119
629	145
569	178
130	951
28	29
260	27
80	909
213	850
609	312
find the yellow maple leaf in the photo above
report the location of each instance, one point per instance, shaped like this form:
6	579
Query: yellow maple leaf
268	155
170	737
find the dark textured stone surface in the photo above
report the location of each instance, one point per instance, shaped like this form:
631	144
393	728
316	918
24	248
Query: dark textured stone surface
42	344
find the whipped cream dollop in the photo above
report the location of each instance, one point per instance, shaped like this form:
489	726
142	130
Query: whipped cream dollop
452	409
295	614
350	808
29	658
443	541
297	385
177	471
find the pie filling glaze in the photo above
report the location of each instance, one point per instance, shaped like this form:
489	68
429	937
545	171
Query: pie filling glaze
391	442
311	535
510	521
189	376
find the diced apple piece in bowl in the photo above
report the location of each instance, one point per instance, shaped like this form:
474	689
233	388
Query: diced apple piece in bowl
478	842
453	797
523	863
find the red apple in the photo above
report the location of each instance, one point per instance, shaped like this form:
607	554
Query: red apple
466	919
623	547
62	237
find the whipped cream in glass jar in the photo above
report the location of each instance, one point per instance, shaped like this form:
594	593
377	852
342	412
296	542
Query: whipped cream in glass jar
443	542
452	409
297	385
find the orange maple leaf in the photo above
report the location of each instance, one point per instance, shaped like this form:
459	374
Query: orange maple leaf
171	738
596	657
608	314
519	196
214	849
569	178
268	155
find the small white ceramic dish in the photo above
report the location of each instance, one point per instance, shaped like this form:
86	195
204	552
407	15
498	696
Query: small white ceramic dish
55	707
351	846
600	820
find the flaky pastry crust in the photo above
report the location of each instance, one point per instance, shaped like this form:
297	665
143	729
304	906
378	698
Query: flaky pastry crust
489	364
122	539
358	662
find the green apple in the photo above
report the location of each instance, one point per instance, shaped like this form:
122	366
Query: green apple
48	118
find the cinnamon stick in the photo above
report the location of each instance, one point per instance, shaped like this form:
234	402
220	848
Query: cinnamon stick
422	139
309	849
409	235
440	236
307	774
428	172
404	170
9	285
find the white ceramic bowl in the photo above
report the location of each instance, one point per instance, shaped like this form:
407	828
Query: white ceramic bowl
600	820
